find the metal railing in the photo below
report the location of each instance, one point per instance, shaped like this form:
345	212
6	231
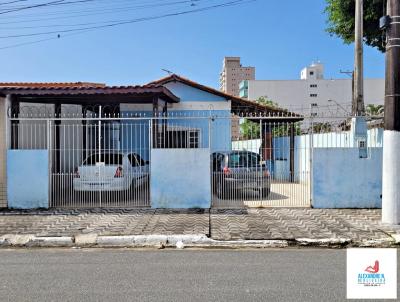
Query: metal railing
255	160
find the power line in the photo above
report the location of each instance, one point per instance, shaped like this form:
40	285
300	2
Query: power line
93	12
31	6
52	3
11	2
123	22
92	28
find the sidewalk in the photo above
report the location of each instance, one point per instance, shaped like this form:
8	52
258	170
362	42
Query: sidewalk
216	227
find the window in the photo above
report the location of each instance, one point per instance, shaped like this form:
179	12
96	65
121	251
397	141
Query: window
106	158
313	95
180	139
136	160
311	73
217	160
313	86
193	139
243	159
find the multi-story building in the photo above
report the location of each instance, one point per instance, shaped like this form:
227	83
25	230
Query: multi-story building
233	73
312	87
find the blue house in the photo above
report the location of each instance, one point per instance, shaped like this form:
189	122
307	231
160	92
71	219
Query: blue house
167	128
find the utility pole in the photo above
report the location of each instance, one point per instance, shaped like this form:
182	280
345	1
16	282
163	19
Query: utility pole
358	86
391	137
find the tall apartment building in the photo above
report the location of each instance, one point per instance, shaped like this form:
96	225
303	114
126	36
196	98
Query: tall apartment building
233	73
312	87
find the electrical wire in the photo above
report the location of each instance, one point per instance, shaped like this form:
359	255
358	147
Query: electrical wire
70	32
92	13
122	22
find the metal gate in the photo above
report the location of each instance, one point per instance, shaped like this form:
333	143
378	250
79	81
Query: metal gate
267	165
94	167
105	161
93	162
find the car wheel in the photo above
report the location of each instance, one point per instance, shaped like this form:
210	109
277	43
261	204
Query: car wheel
265	192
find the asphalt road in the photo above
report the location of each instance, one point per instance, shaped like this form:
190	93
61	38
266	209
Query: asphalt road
173	275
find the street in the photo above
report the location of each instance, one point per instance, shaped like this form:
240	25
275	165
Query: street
173	275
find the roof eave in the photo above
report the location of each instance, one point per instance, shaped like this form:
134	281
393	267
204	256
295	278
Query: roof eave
161	92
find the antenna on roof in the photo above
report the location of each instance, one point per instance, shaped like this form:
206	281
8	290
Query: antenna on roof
167	71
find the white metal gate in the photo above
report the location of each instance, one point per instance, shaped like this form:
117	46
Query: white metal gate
92	166
93	162
267	165
105	162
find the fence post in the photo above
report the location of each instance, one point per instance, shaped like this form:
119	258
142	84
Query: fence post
99	148
312	115
150	161
50	168
209	133
291	152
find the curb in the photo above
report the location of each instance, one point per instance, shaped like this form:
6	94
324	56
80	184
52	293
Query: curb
324	242
182	241
396	238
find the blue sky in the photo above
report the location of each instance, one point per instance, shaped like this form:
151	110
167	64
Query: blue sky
277	37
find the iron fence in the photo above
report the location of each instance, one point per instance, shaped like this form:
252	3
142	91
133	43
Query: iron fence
255	160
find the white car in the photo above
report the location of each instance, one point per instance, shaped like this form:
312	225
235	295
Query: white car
111	171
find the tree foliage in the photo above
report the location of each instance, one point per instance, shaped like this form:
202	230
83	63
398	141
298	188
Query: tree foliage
267	102
341	21
251	130
322	127
375	110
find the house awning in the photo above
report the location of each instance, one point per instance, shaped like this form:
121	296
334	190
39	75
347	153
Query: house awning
89	94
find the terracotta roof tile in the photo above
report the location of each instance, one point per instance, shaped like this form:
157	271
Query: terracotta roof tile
236	101
55	90
51	85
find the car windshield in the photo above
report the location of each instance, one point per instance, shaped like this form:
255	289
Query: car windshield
243	159
106	158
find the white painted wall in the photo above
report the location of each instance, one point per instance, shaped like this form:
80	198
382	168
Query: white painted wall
313	87
180	178
341	179
297	93
391	178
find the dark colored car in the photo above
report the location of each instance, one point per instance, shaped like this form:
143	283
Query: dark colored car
235	171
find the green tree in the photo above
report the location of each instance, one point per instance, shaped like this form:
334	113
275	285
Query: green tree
375	110
341	21
284	130
267	102
250	129
322	127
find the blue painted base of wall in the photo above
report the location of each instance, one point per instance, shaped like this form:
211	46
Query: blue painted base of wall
28	179
341	179
180	178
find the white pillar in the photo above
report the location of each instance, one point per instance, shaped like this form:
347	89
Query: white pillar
391	178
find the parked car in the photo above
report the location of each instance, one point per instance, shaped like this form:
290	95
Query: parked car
235	171
111	171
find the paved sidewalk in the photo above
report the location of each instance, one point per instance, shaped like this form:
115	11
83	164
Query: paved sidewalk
292	223
241	224
105	222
